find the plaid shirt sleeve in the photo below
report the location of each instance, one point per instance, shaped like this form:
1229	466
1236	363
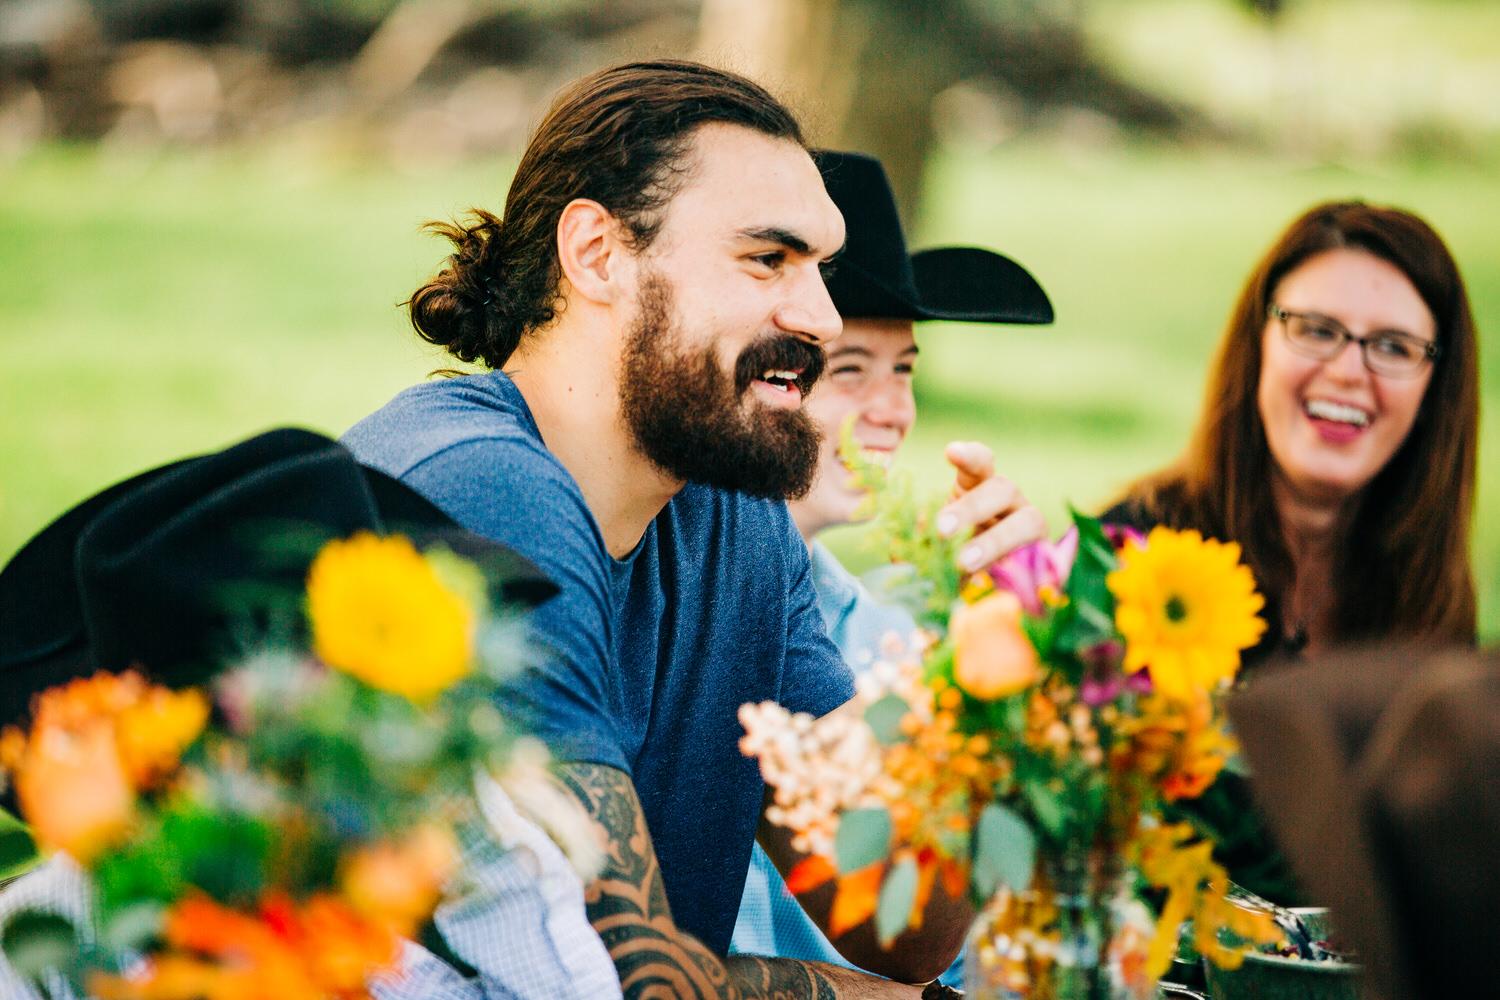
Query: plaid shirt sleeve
517	918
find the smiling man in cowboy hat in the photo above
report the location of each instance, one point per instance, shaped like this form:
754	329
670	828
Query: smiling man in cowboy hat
881	291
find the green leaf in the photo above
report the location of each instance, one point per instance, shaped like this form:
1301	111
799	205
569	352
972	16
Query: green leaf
865	473
224	853
1049	810
18	853
898	893
1089	617
1004	850
900	584
864	838
36	941
884	717
461	577
131	928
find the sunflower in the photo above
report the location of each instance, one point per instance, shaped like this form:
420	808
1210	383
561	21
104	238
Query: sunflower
381	613
1186	607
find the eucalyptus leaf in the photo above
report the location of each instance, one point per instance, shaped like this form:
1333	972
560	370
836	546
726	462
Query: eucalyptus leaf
36	942
133	926
898	894
884	718
1004	850
18	852
1048	808
864	838
902	585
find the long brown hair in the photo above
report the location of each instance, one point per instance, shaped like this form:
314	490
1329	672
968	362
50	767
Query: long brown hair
620	137
1404	569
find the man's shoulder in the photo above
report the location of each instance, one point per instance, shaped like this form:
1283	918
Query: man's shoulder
470	445
426	420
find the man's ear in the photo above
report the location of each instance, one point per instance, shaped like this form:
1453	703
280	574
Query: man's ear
589	249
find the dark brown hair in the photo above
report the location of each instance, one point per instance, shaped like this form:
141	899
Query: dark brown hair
619	137
1404	570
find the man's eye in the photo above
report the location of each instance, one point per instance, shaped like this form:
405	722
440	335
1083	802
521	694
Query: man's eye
907	369
827	269
846	371
772	260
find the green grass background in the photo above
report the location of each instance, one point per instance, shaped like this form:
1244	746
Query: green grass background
156	307
159	304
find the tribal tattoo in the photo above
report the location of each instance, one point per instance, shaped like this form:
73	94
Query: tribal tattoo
627	905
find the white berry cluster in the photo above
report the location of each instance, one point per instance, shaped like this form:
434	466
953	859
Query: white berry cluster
819	768
816	768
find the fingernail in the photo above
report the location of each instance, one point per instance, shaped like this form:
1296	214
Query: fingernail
947	524
970	557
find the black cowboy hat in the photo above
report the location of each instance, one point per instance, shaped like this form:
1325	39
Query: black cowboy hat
155	571
1376	768
875	277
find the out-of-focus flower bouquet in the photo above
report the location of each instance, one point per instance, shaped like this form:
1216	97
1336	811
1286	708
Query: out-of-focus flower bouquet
1025	747
277	832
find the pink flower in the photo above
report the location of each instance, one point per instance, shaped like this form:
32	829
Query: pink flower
1103	680
1120	534
1037	573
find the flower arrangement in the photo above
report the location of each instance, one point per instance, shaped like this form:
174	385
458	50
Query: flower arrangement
279	831
1030	739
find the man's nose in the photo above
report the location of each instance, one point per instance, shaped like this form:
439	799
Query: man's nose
808	311
892	404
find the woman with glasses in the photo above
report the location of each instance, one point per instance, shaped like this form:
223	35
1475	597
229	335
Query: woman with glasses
1337	447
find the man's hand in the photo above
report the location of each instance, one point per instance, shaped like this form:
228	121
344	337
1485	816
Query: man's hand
1002	518
627	904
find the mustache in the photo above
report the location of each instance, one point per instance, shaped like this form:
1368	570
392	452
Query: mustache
780	351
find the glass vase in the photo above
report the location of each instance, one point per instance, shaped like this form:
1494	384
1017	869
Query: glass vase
1078	933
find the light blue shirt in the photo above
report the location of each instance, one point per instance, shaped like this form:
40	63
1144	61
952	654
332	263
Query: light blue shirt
771	921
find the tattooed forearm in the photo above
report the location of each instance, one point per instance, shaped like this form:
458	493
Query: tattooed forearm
781	979
627	905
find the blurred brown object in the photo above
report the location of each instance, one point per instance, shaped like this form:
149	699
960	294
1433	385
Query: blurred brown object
55	48
1379	770
867	73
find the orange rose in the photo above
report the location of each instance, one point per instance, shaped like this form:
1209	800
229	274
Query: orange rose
399	884
73	790
992	657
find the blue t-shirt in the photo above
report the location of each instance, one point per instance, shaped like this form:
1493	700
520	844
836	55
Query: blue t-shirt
653	653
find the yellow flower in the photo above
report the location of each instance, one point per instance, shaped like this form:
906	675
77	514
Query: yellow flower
380	613
153	732
992	657
1186	607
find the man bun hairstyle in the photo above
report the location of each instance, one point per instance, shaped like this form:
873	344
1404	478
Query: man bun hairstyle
619	137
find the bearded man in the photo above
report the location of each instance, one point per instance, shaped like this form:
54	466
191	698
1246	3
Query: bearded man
651	307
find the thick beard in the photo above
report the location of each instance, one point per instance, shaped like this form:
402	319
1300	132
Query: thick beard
688	417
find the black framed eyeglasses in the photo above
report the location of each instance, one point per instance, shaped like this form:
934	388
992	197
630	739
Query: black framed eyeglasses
1385	352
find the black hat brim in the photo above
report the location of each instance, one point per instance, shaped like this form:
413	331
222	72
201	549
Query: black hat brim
972	285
